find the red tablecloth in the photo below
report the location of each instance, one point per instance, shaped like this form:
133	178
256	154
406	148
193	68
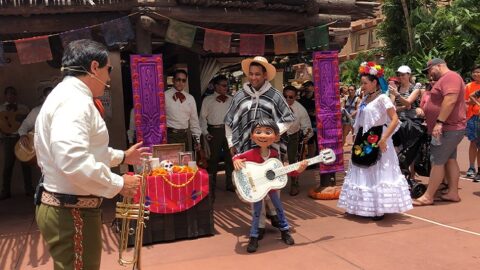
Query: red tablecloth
176	192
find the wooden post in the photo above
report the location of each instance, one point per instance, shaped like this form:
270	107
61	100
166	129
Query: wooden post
143	35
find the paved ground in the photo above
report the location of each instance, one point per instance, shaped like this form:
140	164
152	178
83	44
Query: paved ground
443	236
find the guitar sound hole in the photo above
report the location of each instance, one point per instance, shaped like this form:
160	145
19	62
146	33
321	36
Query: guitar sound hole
270	175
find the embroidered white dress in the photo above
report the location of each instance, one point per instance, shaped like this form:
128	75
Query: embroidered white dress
380	188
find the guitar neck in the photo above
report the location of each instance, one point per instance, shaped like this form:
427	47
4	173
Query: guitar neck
293	167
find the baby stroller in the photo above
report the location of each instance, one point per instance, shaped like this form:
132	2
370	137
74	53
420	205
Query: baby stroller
413	140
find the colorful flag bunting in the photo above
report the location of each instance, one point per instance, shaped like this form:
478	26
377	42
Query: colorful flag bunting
285	43
316	38
180	33
2	59
33	50
67	37
217	41
252	44
119	30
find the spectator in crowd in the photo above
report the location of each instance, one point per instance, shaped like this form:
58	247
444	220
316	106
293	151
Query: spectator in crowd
301	126
445	114
472	97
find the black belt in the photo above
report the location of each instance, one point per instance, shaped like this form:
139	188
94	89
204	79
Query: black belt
175	130
216	126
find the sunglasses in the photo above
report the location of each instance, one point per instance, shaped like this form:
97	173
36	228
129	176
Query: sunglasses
110	68
289	97
181	80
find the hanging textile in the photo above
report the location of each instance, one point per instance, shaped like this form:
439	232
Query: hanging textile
217	41
119	30
251	44
180	33
327	106
316	38
33	50
67	37
285	43
149	99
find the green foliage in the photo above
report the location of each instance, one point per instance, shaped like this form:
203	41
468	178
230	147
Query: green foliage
451	32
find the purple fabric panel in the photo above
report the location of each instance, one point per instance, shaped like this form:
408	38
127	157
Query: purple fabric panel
327	103
148	98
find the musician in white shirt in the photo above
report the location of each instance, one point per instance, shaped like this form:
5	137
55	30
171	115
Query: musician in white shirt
11	112
71	142
28	124
212	115
181	112
300	124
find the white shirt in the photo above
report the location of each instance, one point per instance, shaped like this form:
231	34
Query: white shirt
213	112
181	115
21	109
71	142
302	121
29	123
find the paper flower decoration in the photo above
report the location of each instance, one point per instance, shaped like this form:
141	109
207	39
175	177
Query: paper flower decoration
371	68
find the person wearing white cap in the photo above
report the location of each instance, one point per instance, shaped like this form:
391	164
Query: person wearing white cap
406	97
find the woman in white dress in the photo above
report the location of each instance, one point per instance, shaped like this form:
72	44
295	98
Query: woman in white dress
374	184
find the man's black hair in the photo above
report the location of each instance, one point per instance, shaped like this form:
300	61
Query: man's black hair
79	55
179	71
220	78
290	88
266	122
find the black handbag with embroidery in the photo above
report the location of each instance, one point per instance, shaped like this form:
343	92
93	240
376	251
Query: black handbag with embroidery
365	150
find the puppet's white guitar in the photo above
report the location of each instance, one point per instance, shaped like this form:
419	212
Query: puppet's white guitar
255	180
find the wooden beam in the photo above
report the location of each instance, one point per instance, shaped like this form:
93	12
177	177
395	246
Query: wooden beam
53	23
246	17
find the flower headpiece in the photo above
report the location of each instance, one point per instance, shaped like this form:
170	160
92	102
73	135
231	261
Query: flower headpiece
371	68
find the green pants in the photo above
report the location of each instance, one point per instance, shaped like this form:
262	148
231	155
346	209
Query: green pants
57	227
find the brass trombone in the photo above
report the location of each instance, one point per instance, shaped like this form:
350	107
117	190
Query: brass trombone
127	211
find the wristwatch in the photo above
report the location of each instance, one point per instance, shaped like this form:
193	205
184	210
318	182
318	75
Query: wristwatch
440	121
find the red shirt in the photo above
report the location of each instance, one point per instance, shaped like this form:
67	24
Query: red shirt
254	155
449	83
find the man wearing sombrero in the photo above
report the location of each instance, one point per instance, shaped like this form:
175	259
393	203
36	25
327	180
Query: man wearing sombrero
257	100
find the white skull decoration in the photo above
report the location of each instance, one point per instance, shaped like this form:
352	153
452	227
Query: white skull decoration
167	165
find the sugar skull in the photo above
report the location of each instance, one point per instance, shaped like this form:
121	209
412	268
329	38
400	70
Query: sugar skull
167	165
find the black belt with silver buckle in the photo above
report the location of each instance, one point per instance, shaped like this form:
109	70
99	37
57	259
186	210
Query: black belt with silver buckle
174	130
216	126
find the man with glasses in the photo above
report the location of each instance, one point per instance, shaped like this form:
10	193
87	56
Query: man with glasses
300	124
181	111
71	142
212	115
445	114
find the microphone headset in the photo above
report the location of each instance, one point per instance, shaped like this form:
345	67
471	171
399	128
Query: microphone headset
84	71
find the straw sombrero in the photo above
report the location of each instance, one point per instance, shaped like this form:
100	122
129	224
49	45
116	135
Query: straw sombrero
271	71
